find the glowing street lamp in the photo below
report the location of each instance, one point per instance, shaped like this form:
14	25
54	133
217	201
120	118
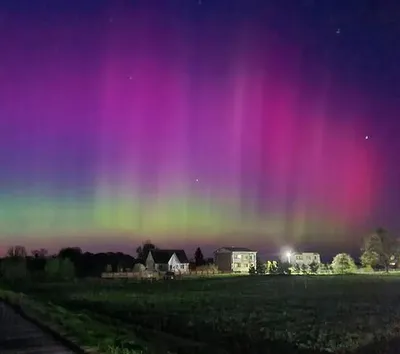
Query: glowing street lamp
288	255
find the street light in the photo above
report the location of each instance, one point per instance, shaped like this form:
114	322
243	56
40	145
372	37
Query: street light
288	255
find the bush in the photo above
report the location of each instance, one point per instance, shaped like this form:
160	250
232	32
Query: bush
314	266
304	269
14	268
272	267
261	267
61	269
343	264
252	271
325	269
296	269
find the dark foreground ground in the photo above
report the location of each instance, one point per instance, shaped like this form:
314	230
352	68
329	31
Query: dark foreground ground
261	314
19	336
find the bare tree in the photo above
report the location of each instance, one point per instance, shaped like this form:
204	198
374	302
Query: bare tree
16	252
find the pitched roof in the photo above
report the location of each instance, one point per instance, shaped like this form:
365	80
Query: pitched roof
163	256
235	249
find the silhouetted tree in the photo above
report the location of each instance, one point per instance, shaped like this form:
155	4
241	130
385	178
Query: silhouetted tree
13	267
252	270
198	257
16	252
72	253
261	268
39	253
384	245
36	263
143	250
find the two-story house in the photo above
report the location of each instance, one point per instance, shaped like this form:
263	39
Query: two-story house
235	259
305	258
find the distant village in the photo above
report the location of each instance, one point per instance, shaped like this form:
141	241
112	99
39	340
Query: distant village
238	260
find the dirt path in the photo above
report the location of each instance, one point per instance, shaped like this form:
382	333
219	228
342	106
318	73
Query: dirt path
19	336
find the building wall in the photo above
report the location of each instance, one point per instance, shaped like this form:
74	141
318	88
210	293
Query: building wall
243	261
305	258
223	261
161	267
176	266
150	262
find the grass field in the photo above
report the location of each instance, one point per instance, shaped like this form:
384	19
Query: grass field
258	314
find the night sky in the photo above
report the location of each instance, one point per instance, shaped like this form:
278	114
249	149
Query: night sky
213	122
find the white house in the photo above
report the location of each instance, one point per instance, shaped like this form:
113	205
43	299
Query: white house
305	258
235	259
167	261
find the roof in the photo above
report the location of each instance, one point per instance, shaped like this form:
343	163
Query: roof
163	256
313	253
235	249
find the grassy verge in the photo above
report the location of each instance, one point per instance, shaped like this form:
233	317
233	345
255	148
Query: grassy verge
93	336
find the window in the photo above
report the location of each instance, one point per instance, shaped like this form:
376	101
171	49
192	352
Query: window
236	265
299	257
238	256
182	266
245	265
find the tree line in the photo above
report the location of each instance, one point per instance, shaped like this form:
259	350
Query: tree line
71	262
380	250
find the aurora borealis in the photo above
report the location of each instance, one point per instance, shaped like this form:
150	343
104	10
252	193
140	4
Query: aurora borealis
182	123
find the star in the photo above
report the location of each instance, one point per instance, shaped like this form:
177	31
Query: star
338	31
196	179
366	137
130	77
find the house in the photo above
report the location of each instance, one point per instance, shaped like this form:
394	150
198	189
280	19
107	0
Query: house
305	258
167	260
235	259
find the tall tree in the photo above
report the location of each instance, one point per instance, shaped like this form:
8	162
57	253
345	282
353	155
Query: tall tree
382	246
73	253
198	257
143	250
